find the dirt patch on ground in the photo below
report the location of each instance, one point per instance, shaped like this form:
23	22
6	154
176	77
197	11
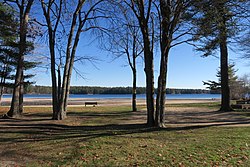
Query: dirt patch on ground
194	116
175	116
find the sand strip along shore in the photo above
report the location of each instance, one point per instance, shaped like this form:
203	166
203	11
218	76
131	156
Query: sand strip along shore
101	102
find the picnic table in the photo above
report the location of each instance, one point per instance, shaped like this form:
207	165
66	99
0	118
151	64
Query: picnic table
242	104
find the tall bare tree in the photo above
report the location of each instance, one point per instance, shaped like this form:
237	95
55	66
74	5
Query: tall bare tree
124	39
174	30
166	22
142	11
82	19
53	12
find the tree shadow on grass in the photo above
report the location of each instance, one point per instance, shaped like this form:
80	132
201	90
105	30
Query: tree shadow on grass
39	126
45	131
50	131
45	115
53	134
28	117
36	132
94	114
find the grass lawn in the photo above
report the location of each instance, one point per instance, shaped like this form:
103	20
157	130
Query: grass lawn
104	136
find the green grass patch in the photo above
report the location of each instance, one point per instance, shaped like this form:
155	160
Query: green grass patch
93	136
139	146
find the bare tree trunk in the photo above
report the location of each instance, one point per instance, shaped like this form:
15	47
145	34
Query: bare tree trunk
70	57
72	60
161	94
158	97
61	91
66	69
14	109
59	81
225	89
54	86
133	67
52	37
161	91
21	94
53	75
15	103
134	108
168	24
143	19
149	70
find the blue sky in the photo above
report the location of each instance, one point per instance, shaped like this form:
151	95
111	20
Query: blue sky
186	69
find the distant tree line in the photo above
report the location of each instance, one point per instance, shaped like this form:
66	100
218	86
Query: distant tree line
187	91
36	89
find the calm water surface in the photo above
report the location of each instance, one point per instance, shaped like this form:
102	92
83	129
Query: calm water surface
125	96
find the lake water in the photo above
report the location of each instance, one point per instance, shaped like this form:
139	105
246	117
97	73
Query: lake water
125	96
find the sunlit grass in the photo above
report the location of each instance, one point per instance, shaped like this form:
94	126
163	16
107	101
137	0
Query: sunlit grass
96	136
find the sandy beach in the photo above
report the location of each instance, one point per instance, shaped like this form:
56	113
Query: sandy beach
101	102
175	116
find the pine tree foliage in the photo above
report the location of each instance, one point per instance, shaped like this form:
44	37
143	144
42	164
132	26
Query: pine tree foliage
9	48
212	16
235	83
218	22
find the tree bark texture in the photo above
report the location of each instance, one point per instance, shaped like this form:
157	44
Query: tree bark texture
161	91
149	70
16	107
21	93
134	108
225	89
